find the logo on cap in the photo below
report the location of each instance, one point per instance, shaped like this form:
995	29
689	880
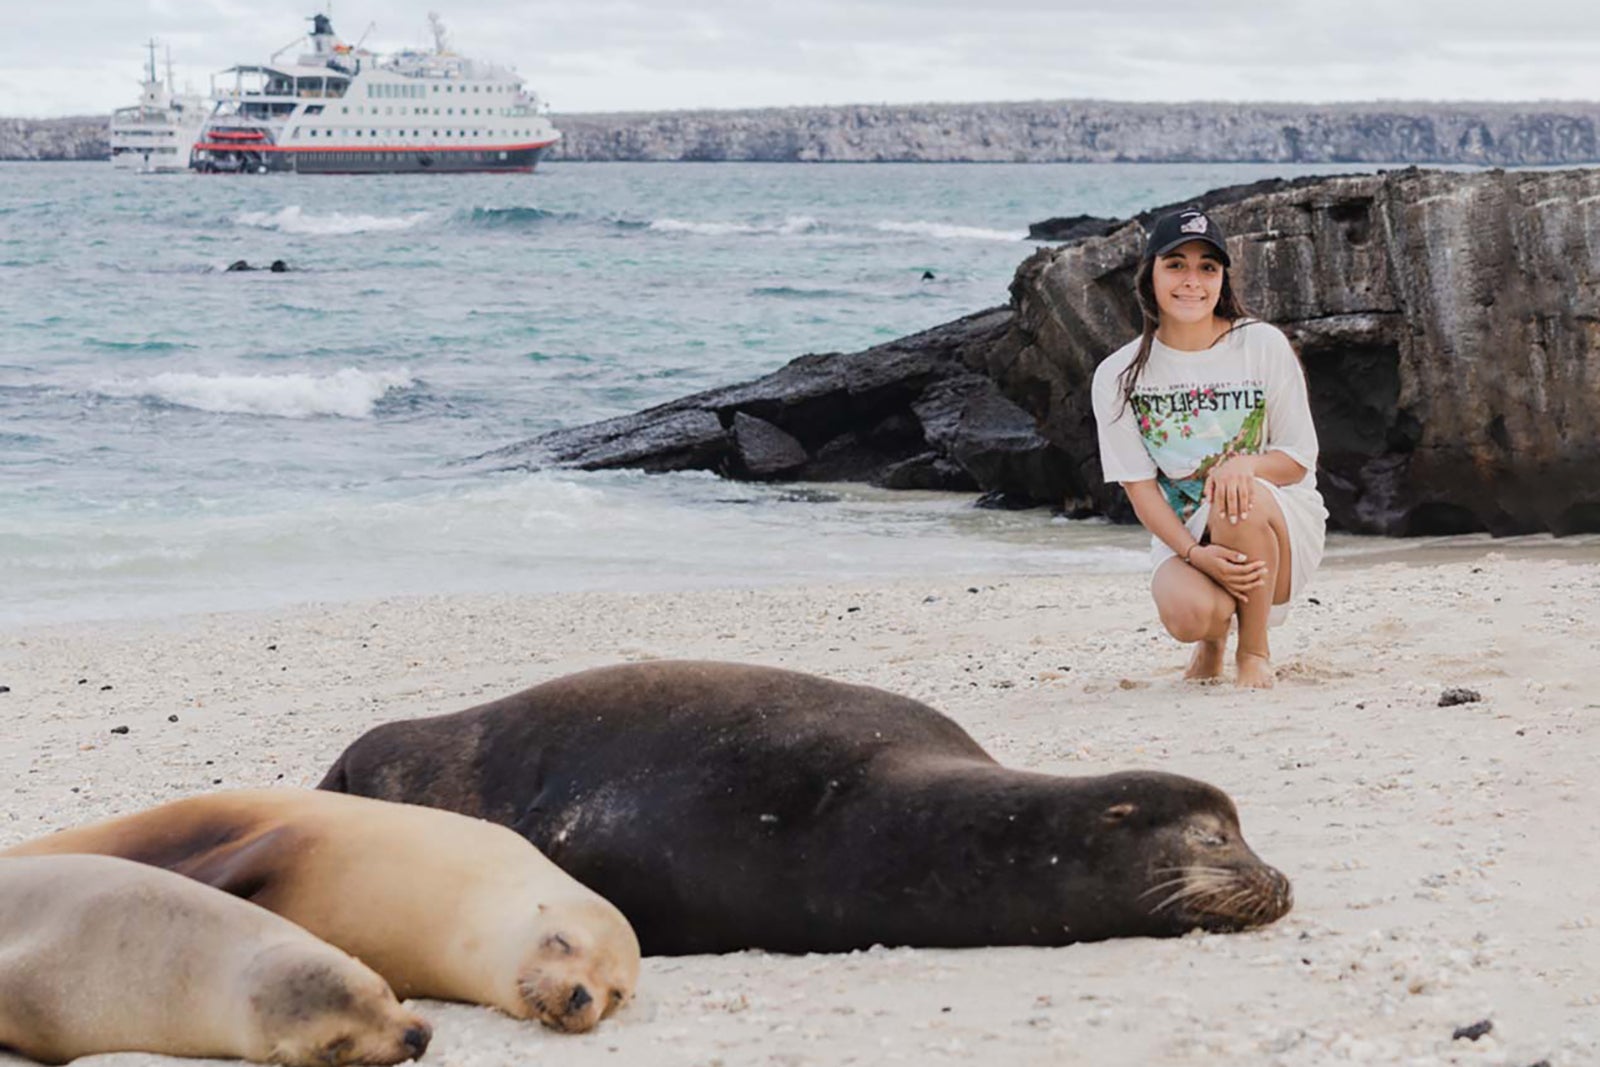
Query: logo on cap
1197	224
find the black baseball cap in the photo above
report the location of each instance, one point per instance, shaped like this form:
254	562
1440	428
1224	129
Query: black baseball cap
1181	227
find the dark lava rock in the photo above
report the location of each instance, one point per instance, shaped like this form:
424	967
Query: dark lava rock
910	414
119	729
1446	322
1451	697
1473	1032
1071	227
764	450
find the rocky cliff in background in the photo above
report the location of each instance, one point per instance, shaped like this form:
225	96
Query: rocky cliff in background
1089	131
1535	134
1449	325
75	138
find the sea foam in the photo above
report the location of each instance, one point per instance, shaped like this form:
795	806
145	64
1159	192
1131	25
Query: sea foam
948	231
348	393
293	219
789	227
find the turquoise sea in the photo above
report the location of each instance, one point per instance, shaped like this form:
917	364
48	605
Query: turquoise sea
174	437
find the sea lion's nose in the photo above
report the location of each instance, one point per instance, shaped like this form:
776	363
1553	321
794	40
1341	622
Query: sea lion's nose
579	1000
416	1040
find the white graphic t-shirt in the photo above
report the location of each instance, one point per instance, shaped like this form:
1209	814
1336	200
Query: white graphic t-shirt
1191	410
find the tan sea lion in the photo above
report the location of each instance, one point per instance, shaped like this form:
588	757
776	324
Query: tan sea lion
102	955
441	905
724	806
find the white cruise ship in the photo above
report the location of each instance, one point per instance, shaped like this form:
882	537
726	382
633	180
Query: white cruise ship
156	134
343	110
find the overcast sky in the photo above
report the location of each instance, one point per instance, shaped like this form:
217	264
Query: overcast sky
62	57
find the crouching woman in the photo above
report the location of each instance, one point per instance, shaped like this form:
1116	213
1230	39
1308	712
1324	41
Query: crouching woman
1205	421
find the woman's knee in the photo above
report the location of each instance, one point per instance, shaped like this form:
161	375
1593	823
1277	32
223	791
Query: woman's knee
1252	523
1194	620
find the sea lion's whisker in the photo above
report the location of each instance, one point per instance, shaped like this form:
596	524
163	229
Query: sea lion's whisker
1187	893
1228	904
1159	886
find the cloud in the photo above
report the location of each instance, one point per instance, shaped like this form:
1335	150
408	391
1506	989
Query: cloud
84	56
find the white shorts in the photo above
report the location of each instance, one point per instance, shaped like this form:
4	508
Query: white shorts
1304	516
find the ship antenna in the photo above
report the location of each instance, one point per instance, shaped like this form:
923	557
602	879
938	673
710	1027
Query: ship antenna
152	68
171	87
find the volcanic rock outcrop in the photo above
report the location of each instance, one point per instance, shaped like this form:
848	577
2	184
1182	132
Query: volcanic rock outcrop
910	414
1448	324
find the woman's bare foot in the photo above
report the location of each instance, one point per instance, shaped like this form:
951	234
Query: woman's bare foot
1255	671
1206	663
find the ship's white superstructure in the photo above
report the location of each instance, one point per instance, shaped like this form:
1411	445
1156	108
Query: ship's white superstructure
156	134
342	110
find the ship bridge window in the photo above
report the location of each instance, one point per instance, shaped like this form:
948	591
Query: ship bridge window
313	109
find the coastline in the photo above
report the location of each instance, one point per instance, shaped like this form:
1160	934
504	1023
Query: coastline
1442	856
1372	132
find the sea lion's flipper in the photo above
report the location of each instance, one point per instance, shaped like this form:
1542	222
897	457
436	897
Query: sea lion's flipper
244	868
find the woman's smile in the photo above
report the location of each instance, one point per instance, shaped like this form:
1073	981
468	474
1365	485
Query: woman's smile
1188	282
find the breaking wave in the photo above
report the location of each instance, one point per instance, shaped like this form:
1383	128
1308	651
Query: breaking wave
946	231
293	219
791	226
348	393
507	218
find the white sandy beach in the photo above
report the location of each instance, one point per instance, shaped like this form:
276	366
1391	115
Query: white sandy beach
1444	859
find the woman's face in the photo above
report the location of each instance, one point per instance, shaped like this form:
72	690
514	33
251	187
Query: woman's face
1188	282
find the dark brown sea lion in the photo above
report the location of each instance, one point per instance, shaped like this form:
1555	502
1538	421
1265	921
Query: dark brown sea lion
102	955
439	905
726	807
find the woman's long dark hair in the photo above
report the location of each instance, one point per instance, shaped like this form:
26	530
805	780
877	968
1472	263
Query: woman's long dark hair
1229	307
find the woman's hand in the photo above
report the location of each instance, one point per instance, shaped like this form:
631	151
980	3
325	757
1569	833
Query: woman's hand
1231	487
1231	569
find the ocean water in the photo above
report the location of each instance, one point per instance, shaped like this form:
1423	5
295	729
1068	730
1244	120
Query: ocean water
174	437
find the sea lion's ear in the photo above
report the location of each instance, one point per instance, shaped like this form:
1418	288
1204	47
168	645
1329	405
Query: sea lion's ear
1117	812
